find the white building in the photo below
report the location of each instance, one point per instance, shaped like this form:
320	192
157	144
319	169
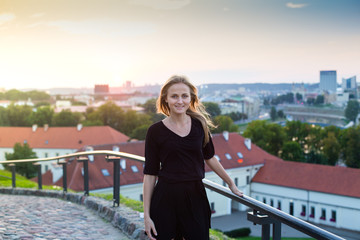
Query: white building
56	141
328	81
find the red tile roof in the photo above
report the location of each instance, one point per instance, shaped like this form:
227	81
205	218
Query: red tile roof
312	177
97	180
60	137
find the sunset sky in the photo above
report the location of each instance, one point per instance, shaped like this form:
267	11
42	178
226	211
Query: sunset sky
80	43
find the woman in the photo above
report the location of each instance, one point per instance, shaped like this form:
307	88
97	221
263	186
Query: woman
176	206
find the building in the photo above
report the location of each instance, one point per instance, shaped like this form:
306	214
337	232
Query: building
56	141
320	194
328	81
349	85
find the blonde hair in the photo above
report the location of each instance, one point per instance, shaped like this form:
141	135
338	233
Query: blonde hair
196	109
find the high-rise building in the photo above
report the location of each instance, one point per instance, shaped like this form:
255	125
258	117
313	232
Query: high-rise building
349	83
328	81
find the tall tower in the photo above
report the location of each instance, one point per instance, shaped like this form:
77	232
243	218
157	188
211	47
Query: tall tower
328	81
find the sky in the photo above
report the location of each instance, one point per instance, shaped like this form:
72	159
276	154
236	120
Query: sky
80	43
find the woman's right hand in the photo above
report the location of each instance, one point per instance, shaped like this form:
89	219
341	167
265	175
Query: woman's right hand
150	228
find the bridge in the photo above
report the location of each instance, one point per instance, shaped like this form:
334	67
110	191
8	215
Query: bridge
127	222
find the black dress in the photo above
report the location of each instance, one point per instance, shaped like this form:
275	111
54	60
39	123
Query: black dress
179	205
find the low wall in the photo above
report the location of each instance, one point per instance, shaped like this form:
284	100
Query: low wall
122	217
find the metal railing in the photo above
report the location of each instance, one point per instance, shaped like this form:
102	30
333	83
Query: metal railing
261	214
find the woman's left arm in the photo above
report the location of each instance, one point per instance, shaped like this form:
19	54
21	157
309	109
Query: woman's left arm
214	164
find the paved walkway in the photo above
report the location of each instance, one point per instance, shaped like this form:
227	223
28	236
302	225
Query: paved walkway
31	217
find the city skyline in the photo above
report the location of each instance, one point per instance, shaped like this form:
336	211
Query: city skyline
46	44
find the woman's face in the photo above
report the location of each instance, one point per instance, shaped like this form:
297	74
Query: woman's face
178	98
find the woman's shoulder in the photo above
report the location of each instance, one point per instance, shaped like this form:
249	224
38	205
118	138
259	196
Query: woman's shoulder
156	126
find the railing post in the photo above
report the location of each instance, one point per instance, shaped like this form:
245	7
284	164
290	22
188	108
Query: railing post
277	230
13	174
63	163
265	221
39	175
85	161
116	179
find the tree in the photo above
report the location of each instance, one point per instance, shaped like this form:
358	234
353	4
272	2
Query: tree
42	116
66	118
299	97
281	114
4	121
273	114
319	100
212	108
236	116
19	115
331	148
139	133
224	123
150	109
291	151
23	152
350	142
352	110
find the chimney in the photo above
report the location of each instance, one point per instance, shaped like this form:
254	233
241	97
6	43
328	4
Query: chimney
247	143
79	127
46	127
226	135
116	148
34	127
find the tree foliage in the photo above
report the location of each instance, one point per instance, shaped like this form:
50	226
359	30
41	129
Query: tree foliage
22	152
224	123
212	108
352	110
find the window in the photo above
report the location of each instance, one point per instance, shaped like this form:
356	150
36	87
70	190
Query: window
224	183
141	197
236	181
312	212
47	142
323	214
46	168
279	205
264	200
271	202
240	155
212	206
303	210
134	169
291	208
57	154
46	155
217	157
105	172
228	156
247	179
333	216
25	141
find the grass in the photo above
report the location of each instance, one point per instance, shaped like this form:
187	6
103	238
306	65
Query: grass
258	238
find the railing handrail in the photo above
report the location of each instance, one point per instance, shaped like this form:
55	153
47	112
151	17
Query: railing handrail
281	216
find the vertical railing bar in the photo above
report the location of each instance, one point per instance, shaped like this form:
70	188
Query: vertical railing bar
265	232
64	167
277	230
85	161
13	174
116	179
39	176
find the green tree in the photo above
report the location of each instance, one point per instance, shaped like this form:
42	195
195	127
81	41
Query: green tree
255	131
19	115
236	116
139	133
352	110
132	120
224	123
66	118
316	157
319	100
350	140
22	152
212	108
281	114
292	151
150	109
43	115
331	148
15	95
37	95
4	121
299	97
273	114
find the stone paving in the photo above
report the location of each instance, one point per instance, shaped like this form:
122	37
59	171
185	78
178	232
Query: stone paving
32	217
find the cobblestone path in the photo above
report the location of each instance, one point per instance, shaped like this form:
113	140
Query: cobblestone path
31	217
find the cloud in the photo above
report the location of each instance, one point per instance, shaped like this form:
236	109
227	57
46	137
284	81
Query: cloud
103	27
37	15
6	17
161	4
294	5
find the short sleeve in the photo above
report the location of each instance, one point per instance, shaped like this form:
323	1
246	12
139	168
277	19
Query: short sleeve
152	160
208	150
